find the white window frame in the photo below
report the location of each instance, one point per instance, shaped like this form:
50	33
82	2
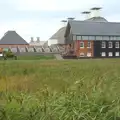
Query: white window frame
110	54
109	45
103	53
117	54
1	54
82	43
88	43
82	54
103	45
89	54
117	43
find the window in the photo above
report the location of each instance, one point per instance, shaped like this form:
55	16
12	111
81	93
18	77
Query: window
98	37
82	54
81	44
110	54
78	37
117	45
118	38
113	38
91	38
89	45
84	37
110	45
103	45
117	54
103	54
89	54
1	54
105	37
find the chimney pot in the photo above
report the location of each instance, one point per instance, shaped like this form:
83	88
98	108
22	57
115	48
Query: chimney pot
38	39
70	18
95	12
32	39
64	23
87	14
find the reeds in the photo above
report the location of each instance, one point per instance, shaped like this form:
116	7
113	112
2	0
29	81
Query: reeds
60	90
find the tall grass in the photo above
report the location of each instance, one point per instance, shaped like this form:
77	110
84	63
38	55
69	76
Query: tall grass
60	90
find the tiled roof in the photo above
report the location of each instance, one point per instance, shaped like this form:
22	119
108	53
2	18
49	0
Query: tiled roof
11	37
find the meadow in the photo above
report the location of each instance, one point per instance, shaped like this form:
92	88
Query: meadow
60	90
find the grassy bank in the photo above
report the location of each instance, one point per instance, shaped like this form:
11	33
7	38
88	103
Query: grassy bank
60	90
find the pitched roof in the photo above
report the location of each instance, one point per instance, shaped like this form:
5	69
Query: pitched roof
59	35
11	37
95	28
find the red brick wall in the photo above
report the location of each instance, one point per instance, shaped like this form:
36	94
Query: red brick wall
84	50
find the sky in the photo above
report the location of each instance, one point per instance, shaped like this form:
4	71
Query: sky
41	18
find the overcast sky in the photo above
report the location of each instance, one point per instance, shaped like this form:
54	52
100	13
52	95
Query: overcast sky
41	18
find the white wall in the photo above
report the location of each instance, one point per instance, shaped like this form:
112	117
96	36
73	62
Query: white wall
52	42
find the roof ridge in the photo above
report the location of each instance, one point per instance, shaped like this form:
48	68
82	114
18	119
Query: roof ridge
94	22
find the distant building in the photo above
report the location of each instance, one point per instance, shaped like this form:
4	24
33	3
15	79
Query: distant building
38	42
12	39
93	37
58	37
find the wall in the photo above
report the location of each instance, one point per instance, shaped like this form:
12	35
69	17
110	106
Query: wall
98	50
52	42
12	45
84	50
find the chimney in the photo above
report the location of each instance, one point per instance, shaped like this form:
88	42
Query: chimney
38	39
95	12
32	40
87	14
64	23
70	19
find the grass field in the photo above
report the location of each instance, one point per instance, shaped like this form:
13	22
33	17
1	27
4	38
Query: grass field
60	90
37	57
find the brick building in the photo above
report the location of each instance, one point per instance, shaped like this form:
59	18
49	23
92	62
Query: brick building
93	37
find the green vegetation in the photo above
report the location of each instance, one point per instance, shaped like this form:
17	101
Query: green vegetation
37	57
60	90
9	54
